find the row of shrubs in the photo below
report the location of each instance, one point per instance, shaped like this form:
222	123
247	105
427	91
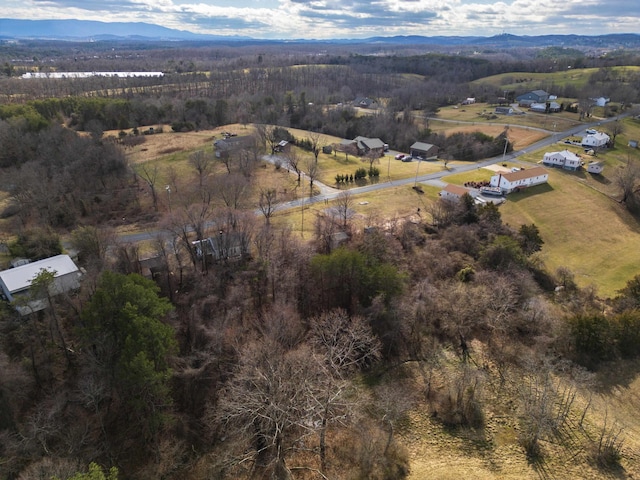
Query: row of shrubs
360	174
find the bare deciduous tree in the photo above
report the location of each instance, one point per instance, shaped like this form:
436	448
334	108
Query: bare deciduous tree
312	174
614	129
202	164
267	203
344	207
292	158
150	175
626	179
268	403
346	344
314	141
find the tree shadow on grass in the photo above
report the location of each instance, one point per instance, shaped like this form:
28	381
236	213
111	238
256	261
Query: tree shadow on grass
611	376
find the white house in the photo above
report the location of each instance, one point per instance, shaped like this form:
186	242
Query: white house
15	283
453	192
565	159
469	101
600	101
598	139
513	181
595	167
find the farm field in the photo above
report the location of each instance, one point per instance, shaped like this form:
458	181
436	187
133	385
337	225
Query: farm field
577	77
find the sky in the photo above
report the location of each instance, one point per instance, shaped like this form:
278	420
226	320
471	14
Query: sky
327	19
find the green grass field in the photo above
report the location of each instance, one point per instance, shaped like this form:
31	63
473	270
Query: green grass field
583	229
529	81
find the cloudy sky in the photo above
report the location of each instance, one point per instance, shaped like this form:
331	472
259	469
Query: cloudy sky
289	19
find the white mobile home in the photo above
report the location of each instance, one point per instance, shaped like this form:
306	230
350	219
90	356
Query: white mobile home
513	181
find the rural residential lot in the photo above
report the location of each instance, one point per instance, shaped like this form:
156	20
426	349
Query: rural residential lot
295	263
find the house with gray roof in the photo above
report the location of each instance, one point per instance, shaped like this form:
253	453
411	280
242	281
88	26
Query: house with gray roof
364	145
535	96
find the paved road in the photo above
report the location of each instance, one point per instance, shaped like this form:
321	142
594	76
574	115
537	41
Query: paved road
330	193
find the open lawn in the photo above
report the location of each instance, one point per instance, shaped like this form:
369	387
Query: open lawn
332	165
372	208
583	229
481	115
520	137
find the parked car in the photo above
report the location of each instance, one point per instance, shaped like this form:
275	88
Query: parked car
407	158
590	131
400	156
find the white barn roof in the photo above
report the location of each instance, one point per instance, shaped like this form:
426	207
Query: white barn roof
20	278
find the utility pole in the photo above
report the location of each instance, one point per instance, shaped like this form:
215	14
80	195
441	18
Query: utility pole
417	169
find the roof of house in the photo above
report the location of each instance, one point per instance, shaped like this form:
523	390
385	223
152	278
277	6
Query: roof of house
456	189
540	93
425	147
523	174
20	278
370	142
566	154
543	106
597	136
233	142
537	93
364	101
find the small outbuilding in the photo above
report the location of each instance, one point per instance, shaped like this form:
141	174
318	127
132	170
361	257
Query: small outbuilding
595	167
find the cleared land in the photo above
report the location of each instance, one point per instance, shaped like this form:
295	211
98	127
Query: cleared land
481	115
576	77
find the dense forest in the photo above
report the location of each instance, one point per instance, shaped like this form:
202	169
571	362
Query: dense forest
298	358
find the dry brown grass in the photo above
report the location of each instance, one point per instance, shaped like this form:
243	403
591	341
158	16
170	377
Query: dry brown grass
521	137
493	452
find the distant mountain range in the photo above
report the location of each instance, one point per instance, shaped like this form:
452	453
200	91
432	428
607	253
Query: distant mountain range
85	30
